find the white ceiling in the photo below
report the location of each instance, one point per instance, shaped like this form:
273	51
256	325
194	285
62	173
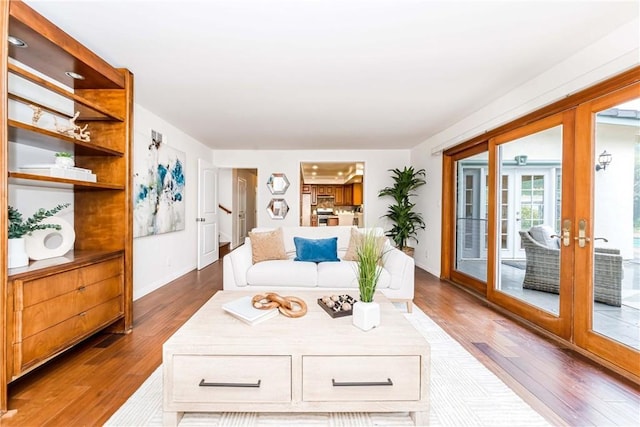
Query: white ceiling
330	74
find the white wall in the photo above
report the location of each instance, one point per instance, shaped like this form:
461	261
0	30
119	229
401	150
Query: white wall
618	51
158	259
376	176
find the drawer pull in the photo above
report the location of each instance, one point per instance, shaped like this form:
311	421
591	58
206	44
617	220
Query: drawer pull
206	384
361	384
82	288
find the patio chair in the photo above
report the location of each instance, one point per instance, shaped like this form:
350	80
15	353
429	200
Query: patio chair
543	270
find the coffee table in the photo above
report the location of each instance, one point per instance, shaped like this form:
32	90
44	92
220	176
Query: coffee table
315	363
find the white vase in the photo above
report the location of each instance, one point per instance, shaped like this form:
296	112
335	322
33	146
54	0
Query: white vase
17	254
65	162
366	315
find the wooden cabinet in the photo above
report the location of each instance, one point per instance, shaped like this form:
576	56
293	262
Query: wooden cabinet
357	194
52	312
348	194
314	195
339	195
47	307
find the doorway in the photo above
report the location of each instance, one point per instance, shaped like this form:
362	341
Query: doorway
238	204
331	193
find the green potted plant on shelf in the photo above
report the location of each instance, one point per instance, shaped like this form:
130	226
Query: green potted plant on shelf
65	159
369	252
18	228
406	222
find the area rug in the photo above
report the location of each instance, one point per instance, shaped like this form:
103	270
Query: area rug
463	393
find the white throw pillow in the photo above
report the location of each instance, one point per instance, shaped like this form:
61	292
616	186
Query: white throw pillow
542	234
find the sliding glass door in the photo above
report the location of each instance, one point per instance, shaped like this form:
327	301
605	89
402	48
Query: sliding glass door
544	220
528	274
608	228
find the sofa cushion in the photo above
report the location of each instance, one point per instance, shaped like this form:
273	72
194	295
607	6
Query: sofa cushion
542	234
267	245
316	250
283	273
357	236
345	275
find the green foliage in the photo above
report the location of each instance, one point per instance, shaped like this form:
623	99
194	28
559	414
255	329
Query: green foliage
406	221
369	253
63	154
18	228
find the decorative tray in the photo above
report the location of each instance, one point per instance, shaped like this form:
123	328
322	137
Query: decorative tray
337	305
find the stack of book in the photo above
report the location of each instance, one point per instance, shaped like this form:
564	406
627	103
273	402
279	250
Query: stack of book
243	309
56	171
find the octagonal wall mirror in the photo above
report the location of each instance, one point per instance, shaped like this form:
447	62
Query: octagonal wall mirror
278	208
278	183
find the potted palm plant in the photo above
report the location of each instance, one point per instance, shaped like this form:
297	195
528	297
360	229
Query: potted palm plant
406	222
18	228
369	251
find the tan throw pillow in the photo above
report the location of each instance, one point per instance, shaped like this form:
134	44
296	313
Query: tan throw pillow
267	245
354	242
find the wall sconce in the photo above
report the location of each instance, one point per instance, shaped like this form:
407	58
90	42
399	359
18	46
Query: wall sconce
604	160
521	160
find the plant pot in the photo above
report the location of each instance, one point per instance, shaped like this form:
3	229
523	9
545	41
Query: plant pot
366	315
409	251
65	162
17	254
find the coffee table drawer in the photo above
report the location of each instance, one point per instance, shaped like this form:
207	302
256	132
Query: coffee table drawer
231	379
360	378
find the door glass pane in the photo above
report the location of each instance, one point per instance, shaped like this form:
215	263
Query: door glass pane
616	228
528	266
471	216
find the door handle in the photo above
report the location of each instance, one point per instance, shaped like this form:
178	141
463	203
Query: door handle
566	232
582	233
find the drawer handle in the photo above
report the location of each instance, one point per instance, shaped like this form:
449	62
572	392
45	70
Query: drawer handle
82	288
203	383
361	384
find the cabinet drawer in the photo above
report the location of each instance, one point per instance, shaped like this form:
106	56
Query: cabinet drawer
41	316
38	290
360	378
269	375
50	341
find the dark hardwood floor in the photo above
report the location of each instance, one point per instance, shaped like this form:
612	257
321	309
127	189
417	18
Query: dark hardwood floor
86	385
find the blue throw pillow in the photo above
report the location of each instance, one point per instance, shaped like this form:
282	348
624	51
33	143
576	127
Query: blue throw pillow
316	250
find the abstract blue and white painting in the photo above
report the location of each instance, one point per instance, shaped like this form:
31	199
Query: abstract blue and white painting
159	205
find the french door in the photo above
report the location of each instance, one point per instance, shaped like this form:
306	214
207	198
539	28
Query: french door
607	228
545	221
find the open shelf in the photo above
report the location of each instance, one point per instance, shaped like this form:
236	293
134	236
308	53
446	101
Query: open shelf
19	178
88	110
50	140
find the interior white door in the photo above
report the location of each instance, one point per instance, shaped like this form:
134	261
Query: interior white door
242	209
208	249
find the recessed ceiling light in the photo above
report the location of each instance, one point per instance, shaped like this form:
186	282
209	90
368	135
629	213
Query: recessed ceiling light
74	75
313	173
314	167
17	42
339	173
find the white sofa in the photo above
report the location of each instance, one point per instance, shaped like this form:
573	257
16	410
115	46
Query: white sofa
396	280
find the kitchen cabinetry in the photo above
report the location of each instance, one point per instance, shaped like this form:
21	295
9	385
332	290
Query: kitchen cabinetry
348	194
338	191
357	194
48	307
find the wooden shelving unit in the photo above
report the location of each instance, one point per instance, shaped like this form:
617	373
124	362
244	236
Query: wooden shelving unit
51	305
